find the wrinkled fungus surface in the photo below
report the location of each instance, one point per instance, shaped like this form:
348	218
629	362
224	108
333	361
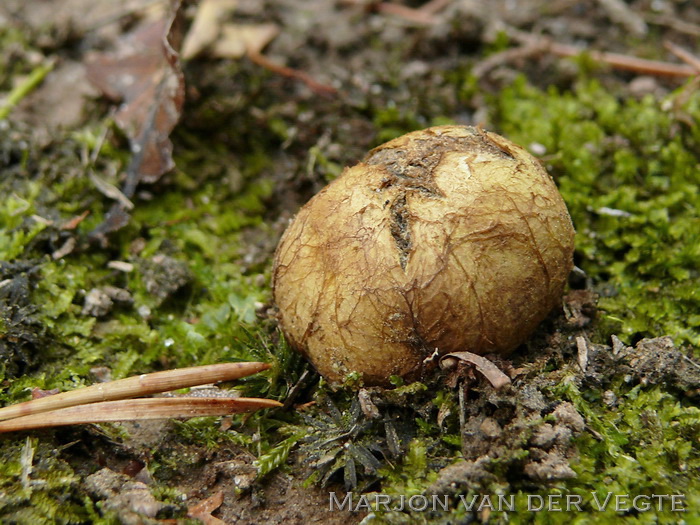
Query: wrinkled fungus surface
450	238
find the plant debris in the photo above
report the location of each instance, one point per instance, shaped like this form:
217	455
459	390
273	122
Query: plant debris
202	510
495	376
212	32
144	73
23	334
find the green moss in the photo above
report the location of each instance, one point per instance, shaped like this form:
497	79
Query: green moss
628	172
18	63
644	446
36	486
212	318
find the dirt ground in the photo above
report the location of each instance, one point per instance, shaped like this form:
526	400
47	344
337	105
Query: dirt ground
336	79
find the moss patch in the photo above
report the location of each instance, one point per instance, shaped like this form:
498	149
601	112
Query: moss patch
628	172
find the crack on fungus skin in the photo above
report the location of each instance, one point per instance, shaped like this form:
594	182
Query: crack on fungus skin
400	230
410	168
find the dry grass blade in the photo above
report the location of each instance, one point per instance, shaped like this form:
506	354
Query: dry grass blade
629	63
138	409
490	371
136	386
410	14
315	86
615	60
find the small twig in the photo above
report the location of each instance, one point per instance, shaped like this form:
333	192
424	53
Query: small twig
490	371
136	386
316	87
434	6
626	62
507	56
616	60
138	409
674	23
423	15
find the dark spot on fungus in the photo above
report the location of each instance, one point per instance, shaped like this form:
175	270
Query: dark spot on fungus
400	229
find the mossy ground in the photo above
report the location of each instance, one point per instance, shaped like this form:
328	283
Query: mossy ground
250	149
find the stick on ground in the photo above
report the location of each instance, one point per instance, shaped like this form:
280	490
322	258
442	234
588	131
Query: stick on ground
138	409
136	386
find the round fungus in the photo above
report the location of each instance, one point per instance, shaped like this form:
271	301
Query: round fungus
451	238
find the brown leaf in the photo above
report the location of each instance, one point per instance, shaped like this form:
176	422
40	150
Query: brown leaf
38	393
206	26
238	39
202	510
212	32
144	74
489	370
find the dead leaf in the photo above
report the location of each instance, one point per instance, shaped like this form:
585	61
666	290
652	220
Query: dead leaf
212	32
59	101
202	510
489	370
238	39
206	26
73	223
38	393
144	74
